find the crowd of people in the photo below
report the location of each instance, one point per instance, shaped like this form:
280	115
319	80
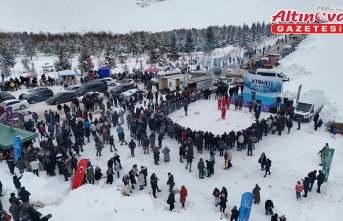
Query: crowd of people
148	125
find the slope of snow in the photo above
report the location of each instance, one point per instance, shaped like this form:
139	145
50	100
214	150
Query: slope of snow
122	16
315	65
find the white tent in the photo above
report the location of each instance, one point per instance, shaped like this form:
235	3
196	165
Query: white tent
66	73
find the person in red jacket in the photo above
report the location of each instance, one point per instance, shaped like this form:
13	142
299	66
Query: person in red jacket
183	196
223	113
219	103
298	189
223	103
228	103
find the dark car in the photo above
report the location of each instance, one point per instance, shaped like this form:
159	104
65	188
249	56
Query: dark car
40	94
96	85
5	96
121	88
61	97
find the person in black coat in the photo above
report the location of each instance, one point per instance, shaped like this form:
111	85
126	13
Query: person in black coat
222	202
109	178
313	176
132	146
268	165
24	195
171	200
170	182
132	179
234	214
154	185
17	183
275	217
320	180
34	214
306	184
268	205
315	120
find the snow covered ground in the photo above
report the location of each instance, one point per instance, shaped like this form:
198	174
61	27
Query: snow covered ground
122	16
292	158
210	119
316	65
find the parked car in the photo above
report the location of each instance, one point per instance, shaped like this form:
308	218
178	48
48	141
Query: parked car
272	73
5	96
15	104
134	91
91	95
309	104
40	94
110	81
232	67
61	97
96	85
121	88
126	81
72	87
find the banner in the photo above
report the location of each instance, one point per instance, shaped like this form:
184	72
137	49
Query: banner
246	204
299	90
264	88
328	154
9	113
79	173
17	147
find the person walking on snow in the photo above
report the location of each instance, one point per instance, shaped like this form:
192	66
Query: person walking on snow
322	153
170	182
223	113
132	146
268	165
298	189
256	193
171	200
320	180
183	195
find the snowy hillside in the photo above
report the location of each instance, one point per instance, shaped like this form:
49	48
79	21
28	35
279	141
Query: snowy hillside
315	65
122	16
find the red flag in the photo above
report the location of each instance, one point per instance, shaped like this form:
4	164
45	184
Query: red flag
80	173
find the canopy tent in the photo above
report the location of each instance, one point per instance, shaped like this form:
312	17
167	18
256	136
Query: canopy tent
66	73
8	134
104	72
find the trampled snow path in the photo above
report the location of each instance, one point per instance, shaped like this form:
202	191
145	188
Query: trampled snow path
293	156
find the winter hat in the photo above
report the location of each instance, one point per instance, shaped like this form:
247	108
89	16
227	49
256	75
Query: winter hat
12	194
23	188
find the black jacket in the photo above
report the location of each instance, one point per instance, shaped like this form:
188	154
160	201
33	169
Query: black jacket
24	196
171	198
268	204
320	178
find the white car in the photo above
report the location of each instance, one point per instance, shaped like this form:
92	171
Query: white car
131	92
89	94
232	67
110	81
15	104
126	81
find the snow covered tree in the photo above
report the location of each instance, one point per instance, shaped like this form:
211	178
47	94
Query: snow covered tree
26	63
172	48
7	58
62	62
189	45
85	61
210	40
29	49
